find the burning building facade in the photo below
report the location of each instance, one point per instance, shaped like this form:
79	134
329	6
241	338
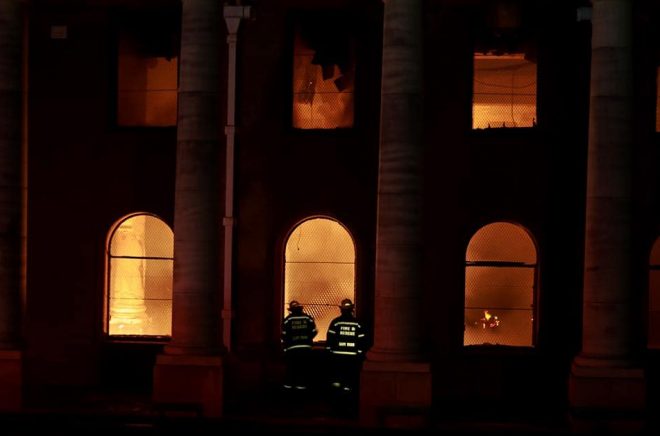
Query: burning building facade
479	177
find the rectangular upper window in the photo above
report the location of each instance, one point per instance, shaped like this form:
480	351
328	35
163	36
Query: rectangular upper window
323	73
504	91
505	65
147	71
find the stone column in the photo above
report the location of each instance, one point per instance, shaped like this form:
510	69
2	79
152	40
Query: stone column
603	376
190	370
11	41
396	376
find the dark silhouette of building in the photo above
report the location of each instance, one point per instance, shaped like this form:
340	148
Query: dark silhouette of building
479	176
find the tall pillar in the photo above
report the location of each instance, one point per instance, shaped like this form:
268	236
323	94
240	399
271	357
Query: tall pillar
190	370
603	376
396	379
11	40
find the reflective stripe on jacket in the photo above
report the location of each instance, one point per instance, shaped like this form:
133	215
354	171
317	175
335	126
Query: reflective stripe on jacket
298	331
346	336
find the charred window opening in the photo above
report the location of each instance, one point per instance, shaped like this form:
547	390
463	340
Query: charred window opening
323	72
500	286
319	269
654	296
147	68
505	72
139	277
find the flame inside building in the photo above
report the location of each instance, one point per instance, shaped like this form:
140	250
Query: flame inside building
489	320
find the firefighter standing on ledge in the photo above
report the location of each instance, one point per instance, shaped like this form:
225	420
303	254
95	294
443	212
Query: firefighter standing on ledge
298	331
346	342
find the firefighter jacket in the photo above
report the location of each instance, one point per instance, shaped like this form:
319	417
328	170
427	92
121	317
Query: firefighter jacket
346	336
298	330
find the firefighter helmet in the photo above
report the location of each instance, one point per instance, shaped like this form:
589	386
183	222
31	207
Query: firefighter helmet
346	304
293	305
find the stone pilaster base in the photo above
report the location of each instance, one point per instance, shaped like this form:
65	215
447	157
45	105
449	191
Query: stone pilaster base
395	394
11	380
606	399
185	382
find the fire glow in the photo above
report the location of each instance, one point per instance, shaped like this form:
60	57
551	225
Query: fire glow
322	86
140	254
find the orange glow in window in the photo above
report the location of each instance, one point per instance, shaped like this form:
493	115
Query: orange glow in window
504	92
319	270
322	85
147	87
140	256
500	277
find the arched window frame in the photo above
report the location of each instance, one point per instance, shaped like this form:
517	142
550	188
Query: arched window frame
509	264
108	276
283	299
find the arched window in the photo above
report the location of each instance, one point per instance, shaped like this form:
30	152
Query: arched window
654	296
319	269
139	277
500	286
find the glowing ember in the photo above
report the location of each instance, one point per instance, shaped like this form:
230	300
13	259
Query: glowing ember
489	320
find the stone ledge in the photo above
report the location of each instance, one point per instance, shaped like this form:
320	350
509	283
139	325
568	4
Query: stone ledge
605	372
186	359
394	366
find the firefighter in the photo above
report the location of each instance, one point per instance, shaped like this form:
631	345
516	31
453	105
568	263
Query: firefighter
298	331
346	343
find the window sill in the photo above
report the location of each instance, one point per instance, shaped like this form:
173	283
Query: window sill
498	349
133	339
338	131
509	132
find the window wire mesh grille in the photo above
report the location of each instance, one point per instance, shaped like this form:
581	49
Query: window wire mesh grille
501	241
499	287
504	91
140	278
654	297
319	270
323	78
